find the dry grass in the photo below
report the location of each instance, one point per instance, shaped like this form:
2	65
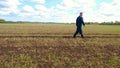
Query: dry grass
52	46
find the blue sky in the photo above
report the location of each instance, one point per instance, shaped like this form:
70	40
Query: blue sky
59	10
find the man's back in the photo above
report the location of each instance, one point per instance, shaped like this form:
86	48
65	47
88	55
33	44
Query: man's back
79	21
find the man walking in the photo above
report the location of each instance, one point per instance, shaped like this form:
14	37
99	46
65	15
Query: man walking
79	23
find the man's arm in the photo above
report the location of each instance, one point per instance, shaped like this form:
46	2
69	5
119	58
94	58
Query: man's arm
77	24
83	22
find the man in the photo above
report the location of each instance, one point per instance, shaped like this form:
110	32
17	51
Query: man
79	23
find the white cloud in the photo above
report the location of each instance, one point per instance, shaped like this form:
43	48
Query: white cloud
86	2
38	11
110	11
106	12
59	6
41	8
9	3
39	1
65	11
66	4
28	8
69	3
79	4
42	11
74	7
106	8
25	14
60	16
9	7
4	12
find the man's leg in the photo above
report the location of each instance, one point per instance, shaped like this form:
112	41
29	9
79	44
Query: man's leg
82	36
81	33
77	31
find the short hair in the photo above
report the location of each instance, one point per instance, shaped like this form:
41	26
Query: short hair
81	12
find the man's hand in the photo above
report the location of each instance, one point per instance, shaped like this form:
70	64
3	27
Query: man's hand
84	25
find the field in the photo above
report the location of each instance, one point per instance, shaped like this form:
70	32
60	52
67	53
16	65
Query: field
52	46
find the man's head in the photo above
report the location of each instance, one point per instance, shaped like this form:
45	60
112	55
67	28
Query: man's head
81	13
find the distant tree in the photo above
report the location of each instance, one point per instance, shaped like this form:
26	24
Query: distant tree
110	23
117	22
2	20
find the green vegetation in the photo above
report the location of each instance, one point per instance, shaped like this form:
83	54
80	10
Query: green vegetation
28	22
2	20
52	46
111	23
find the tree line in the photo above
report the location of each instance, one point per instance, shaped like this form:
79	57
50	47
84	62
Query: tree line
102	23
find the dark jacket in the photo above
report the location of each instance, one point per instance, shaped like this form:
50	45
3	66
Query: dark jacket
79	21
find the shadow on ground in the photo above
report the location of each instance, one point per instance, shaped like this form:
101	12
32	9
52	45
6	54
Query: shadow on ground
46	36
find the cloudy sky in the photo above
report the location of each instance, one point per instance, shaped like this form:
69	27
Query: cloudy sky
59	10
